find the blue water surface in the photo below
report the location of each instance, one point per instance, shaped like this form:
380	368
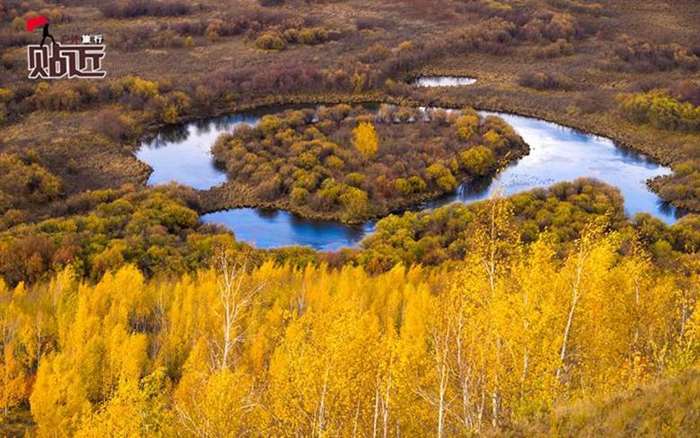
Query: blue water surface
557	154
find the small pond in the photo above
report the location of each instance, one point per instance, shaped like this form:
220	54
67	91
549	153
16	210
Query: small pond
443	81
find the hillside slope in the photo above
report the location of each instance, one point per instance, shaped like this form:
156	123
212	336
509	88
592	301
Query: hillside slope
669	407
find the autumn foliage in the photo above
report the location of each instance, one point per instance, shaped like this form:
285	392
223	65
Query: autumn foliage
365	139
352	164
661	110
547	313
509	333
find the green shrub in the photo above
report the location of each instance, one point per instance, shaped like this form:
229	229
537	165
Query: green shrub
25	182
299	195
442	176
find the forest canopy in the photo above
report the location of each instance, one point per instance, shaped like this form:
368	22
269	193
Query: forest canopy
235	349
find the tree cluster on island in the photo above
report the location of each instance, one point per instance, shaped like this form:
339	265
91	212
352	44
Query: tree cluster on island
353	163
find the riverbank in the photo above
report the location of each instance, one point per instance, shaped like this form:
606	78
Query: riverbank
118	165
583	94
557	154
621	132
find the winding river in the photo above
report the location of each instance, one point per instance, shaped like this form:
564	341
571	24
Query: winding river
557	153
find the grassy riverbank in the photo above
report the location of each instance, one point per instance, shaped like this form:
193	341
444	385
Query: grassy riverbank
559	61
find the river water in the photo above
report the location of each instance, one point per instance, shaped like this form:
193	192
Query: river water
557	153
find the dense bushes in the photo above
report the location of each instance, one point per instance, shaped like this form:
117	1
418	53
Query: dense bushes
562	210
307	35
660	110
276	40
158	101
115	125
271	41
544	81
551	32
155	230
675	112
16	35
162	101
140	36
549	26
24	183
273	30
252	23
558	48
478	160
137	8
687	91
64	96
529	24
17	10
682	188
494	35
432	237
335	162
644	56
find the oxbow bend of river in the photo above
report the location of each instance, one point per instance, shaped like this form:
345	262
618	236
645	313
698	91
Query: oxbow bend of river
557	153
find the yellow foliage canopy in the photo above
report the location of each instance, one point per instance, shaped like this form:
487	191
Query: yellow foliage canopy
365	139
504	335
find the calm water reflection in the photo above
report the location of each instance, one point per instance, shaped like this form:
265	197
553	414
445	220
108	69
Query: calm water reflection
559	154
183	153
276	228
556	154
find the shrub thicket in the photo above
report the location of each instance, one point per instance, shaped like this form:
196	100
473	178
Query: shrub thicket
138	8
349	163
642	56
661	110
544	81
24	182
562	210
